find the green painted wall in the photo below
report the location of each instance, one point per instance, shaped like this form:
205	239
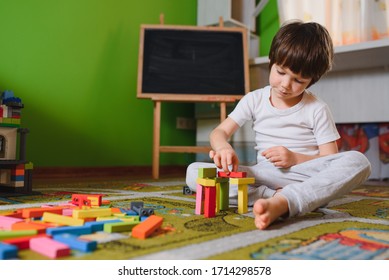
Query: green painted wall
74	65
268	25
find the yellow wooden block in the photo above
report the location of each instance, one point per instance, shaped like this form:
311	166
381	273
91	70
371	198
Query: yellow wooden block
243	181
63	220
107	218
242	199
206	182
92	213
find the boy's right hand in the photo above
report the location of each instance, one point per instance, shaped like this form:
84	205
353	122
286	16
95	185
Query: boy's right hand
224	158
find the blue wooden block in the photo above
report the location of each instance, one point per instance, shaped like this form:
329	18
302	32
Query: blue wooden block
129	212
75	243
99	225
77	230
8	251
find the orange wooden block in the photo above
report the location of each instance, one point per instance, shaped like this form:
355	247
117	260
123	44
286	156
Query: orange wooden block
116	210
41	228
147	227
38	212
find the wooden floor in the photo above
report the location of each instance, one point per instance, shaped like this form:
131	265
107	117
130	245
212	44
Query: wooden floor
82	174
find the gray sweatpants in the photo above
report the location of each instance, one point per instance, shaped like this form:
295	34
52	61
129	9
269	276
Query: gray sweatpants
306	186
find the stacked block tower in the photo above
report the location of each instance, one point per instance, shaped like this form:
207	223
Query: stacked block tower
213	190
15	170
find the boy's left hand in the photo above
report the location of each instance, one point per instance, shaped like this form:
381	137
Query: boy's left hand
280	156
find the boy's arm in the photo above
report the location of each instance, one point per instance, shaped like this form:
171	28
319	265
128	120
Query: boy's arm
223	154
284	158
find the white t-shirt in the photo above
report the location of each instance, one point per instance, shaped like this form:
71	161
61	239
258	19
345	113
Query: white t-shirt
300	128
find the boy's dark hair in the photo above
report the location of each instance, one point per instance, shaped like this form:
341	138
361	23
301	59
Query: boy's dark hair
304	48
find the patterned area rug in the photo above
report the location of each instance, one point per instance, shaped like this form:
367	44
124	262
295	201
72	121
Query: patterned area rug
353	227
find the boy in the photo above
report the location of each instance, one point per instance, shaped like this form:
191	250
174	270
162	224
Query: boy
298	165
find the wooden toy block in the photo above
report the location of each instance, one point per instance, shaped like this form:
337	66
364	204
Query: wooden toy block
14	214
120	226
75	230
92	213
242	199
234	174
4	234
8	251
199	200
62	220
22	242
207	172
76	243
210	202
99	225
41	228
49	248
130	219
7	222
223	191
206	182
146	228
87	199
245	181
38	212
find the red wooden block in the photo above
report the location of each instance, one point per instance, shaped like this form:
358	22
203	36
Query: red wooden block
210	202
232	174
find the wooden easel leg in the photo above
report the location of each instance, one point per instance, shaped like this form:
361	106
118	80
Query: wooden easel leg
156	138
223	111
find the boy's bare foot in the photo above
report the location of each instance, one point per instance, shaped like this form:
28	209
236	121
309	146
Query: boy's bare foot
266	211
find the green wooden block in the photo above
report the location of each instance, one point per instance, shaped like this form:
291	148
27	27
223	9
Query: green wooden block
16	233
207	172
119	227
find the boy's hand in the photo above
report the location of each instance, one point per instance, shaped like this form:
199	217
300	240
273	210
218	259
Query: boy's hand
225	158
280	156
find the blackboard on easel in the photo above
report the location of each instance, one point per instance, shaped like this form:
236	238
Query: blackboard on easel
192	63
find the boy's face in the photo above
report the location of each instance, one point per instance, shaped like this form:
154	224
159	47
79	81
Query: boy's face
286	85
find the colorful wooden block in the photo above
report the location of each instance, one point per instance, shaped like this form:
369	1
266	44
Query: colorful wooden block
242	199
146	228
76	243
41	228
62	220
91	213
233	174
210	202
245	181
120	226
8	251
222	195
207	172
206	182
99	225
5	234
22	242
199	200
6	222
49	247
75	230
38	211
